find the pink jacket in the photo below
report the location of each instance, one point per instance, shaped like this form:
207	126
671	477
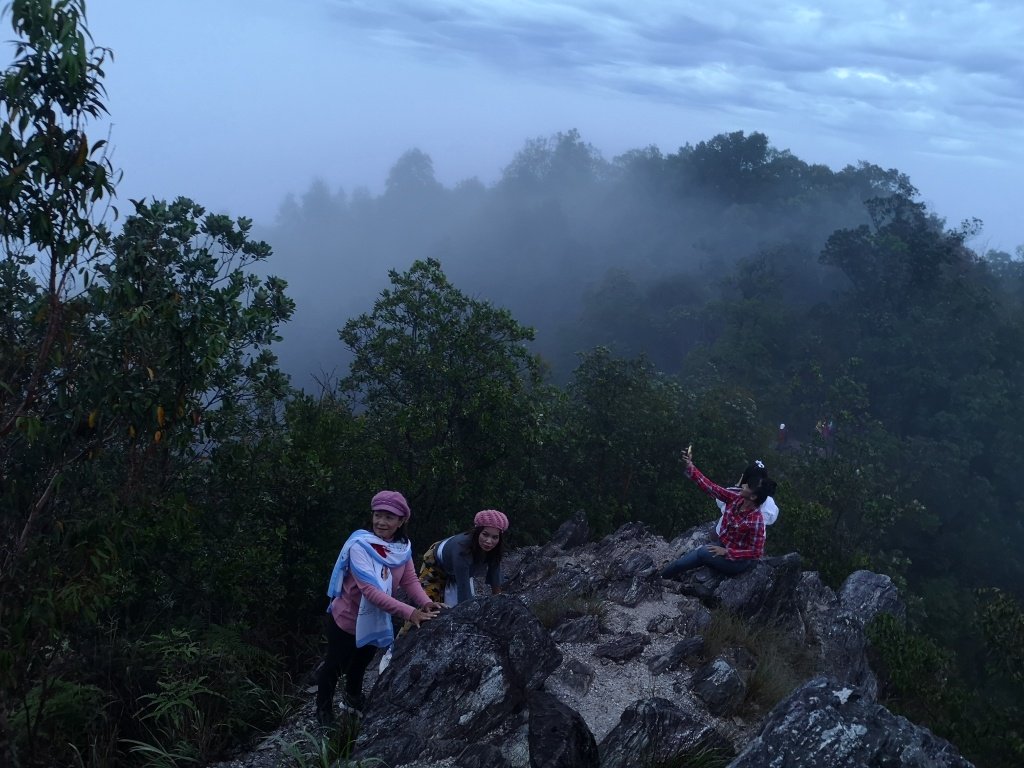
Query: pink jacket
345	607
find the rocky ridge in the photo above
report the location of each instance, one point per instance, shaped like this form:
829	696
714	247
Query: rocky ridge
620	674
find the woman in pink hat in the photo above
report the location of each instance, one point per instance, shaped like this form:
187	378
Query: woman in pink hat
450	565
371	564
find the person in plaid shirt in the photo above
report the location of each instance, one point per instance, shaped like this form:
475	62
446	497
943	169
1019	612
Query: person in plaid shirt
741	529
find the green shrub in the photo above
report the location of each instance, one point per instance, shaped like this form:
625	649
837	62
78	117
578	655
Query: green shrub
206	689
60	713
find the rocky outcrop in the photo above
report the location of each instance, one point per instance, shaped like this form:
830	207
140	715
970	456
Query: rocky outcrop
626	670
657	732
574	532
461	680
825	724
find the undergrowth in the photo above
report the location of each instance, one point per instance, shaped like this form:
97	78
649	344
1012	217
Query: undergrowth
780	663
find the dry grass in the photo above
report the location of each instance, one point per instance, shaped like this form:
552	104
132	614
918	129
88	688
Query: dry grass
781	664
551	613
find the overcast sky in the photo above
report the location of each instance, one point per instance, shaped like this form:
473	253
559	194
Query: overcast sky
237	102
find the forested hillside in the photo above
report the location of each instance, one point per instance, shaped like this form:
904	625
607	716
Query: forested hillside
172	505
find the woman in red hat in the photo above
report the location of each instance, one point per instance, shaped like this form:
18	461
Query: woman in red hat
450	565
371	564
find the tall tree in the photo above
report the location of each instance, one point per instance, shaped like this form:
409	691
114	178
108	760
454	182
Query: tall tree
447	385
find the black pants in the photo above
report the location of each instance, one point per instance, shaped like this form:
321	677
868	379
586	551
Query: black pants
342	657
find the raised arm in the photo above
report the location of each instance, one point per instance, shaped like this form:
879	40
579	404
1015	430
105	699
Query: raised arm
711	489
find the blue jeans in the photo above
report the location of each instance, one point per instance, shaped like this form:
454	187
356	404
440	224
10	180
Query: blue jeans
695	558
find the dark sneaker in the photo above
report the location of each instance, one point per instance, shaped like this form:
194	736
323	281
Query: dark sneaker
353	702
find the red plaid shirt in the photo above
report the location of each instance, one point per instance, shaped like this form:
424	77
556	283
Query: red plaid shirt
742	532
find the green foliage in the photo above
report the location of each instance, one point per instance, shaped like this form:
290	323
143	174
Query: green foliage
916	668
121	358
447	385
1002	621
186	326
621	435
325	749
210	687
62	713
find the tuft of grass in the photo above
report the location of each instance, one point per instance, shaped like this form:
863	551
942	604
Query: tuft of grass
700	756
551	613
780	664
324	748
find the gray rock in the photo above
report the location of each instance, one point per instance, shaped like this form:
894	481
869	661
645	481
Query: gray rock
825	724
677	654
694	623
582	629
766	594
623	648
558	737
628	535
482	756
865	595
574	674
634	563
720	686
657	732
662	625
574	532
834	636
637	589
456	679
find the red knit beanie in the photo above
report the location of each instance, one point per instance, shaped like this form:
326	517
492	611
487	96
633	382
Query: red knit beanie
491	518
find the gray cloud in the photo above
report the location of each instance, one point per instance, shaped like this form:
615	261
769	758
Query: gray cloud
947	68
239	101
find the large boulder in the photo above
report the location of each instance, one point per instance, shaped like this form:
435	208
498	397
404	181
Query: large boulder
826	724
619	568
865	594
834	625
766	594
657	732
558	737
460	680
574	532
720	686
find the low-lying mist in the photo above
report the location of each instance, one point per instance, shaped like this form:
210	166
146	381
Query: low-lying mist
586	250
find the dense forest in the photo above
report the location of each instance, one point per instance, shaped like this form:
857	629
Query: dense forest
172	503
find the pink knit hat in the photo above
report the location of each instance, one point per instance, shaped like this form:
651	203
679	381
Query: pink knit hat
391	501
490	518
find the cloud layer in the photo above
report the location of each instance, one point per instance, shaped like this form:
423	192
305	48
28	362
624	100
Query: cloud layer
947	75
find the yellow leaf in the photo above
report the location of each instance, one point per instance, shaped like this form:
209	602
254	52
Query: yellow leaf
92	419
160	415
150	372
